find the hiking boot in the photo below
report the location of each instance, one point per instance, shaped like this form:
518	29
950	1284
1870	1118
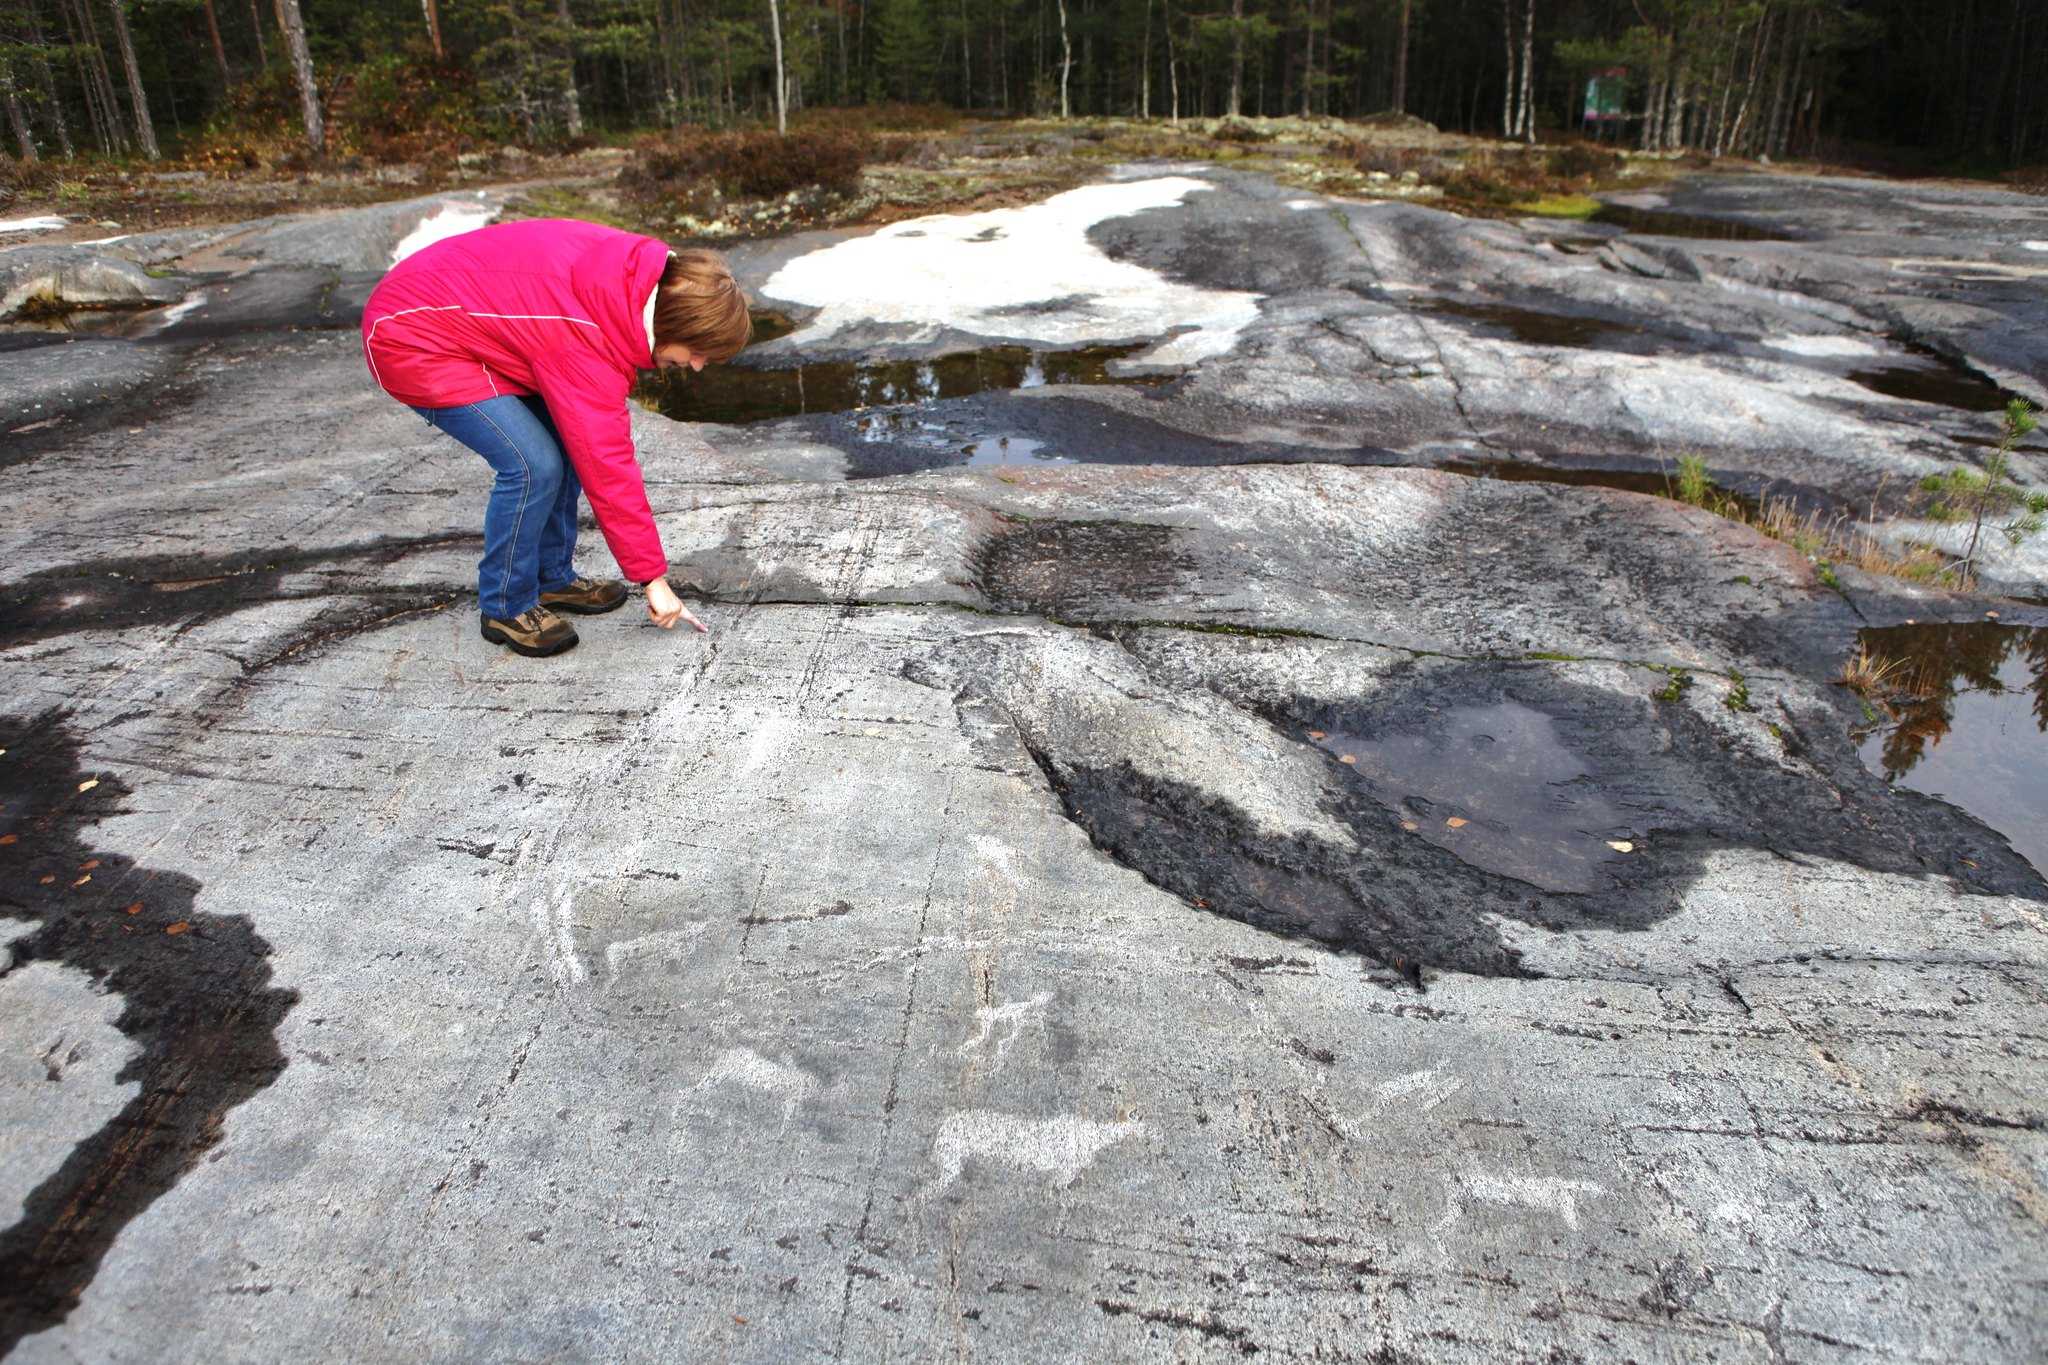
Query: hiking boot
536	632
585	598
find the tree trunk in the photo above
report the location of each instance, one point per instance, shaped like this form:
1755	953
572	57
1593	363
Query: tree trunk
49	86
1308	58
1145	67
256	27
294	26
1172	67
15	119
145	131
220	54
572	102
781	86
1400	103
1236	107
432	9
1507	103
95	113
1528	82
1066	58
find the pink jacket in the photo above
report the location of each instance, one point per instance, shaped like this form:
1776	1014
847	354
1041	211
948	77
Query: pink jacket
553	307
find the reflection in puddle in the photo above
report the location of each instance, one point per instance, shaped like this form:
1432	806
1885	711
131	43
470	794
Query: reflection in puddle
903	426
737	394
1494	786
1001	450
1659	223
1968	722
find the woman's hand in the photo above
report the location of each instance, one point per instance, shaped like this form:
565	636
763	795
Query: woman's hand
664	608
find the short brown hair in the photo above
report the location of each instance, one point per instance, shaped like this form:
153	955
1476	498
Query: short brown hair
699	305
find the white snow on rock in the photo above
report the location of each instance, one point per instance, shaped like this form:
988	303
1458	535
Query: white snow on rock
450	220
44	224
2035	246
1818	347
1026	273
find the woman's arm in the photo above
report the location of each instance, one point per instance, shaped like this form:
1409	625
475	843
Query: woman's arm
587	400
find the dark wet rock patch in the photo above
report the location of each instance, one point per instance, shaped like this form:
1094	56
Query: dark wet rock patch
188	590
1068	569
1697	226
1453	766
197	1001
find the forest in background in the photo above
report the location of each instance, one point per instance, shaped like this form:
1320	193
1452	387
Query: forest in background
1920	84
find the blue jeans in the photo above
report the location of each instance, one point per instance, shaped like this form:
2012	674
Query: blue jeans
530	521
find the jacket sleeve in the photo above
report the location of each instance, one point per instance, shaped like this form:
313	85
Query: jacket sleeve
587	400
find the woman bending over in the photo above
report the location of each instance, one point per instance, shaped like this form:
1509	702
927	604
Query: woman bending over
522	341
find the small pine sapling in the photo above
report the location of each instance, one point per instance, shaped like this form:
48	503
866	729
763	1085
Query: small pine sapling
1988	497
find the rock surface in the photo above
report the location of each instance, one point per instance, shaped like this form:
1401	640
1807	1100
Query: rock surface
1217	896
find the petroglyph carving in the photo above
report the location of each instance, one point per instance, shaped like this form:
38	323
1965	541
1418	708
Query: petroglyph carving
1060	1147
1420	1091
747	1068
1540	1194
1015	1014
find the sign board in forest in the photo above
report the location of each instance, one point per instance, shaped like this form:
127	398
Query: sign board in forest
1607	96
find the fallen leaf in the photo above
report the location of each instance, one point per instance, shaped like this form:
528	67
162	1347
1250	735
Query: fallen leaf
1992	614
1410	826
134	909
1457	822
83	880
1968	863
47	880
88	784
738	1319
8	838
1347	758
1317	734
1621	845
181	927
89	864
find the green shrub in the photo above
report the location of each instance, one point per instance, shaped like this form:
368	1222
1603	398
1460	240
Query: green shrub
1580	162
748	165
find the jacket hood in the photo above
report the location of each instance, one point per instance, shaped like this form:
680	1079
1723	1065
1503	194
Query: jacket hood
613	279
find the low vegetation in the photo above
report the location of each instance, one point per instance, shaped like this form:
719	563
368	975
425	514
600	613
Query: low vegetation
1988	498
1827	539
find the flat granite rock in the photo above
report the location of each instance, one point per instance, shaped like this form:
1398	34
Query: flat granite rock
1117	909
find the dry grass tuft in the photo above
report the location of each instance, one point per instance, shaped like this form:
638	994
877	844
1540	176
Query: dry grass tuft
1868	674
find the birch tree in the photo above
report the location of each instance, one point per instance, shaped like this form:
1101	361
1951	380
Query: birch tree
781	80
145	131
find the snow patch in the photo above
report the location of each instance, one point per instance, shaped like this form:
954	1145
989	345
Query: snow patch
1028	274
2034	246
44	224
450	220
1821	347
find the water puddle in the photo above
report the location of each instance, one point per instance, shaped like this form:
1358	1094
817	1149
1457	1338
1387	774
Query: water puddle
1930	379
1495	787
1965	719
735	395
1539	329
1662	223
